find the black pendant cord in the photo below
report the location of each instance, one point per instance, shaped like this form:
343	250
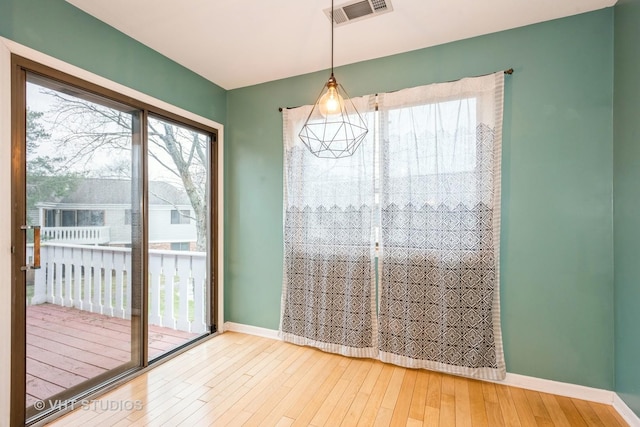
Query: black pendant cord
332	25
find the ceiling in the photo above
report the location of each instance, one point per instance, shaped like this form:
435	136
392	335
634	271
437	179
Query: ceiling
237	43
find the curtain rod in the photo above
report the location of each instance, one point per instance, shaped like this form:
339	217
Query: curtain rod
509	72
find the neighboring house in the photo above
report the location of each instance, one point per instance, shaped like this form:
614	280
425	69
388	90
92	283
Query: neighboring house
98	211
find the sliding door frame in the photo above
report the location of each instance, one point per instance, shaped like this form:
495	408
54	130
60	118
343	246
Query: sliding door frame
18	247
20	66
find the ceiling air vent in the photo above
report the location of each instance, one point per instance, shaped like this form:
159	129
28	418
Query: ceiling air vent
357	10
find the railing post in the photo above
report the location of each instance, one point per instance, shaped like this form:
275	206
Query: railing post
155	266
67	262
184	277
77	278
51	266
126	268
198	271
58	261
96	257
40	277
169	271
107	264
119	267
88	277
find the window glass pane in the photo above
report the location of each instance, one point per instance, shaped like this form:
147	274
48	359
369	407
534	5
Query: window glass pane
175	217
50	218
180	246
84	185
90	218
182	216
324	178
79	325
68	218
443	135
178	159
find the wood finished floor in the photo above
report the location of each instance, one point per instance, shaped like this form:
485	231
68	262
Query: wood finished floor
67	346
241	380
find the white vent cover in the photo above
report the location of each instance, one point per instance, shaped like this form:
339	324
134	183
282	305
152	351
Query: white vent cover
358	9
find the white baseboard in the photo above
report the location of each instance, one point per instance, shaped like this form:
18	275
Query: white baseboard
555	387
251	330
574	391
625	412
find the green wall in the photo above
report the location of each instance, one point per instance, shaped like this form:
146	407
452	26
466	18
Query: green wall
557	237
627	201
557	240
59	29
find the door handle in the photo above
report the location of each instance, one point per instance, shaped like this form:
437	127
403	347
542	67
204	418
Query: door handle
36	247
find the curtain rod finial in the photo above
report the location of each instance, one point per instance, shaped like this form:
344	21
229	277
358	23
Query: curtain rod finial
509	71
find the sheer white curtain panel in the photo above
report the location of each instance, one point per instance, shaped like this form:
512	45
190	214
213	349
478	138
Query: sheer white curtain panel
440	227
328	297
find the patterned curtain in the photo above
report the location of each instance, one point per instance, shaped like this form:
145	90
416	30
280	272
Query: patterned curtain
440	227
328	298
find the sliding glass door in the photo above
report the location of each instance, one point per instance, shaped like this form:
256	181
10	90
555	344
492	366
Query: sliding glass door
82	320
178	159
113	229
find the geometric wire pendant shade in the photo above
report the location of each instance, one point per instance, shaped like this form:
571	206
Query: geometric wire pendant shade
334	135
334	128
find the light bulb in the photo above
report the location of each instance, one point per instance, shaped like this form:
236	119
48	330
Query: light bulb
331	102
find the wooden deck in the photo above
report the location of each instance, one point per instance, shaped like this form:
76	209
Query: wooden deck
66	346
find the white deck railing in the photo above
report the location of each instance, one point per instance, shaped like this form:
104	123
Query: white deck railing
98	279
76	235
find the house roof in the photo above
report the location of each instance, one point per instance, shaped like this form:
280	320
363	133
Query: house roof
98	191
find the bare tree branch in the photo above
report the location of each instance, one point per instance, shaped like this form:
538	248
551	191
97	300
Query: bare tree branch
86	129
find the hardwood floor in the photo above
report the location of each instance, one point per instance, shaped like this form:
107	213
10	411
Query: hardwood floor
241	380
66	346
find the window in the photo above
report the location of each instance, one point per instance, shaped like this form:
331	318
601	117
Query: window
180	216
424	187
81	218
180	246
90	218
49	218
68	218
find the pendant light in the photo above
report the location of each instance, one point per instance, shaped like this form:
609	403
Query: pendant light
334	128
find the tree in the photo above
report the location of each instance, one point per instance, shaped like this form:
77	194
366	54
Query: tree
47	177
178	155
188	152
